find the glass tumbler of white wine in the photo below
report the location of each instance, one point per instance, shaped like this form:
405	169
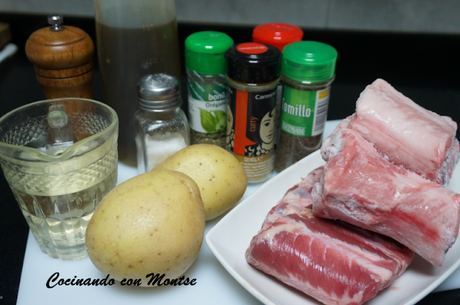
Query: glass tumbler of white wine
60	159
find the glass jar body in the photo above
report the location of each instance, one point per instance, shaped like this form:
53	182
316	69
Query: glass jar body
207	108
303	116
251	127
159	135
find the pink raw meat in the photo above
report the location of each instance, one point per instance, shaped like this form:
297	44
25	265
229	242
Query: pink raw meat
406	133
360	187
296	199
333	262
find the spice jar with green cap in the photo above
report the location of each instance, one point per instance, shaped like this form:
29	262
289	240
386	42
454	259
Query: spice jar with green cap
308	70
206	69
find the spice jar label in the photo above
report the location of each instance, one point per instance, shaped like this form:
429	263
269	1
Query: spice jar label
251	130
208	107
303	113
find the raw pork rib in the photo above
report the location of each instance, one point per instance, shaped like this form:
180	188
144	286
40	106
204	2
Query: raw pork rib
362	188
333	262
406	133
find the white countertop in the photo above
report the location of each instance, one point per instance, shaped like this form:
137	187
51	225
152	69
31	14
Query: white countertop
214	284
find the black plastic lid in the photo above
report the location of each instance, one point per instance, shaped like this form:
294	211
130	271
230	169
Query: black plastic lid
253	63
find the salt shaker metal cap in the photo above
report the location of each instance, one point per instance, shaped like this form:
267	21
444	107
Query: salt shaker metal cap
159	92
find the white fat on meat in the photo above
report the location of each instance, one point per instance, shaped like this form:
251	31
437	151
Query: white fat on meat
362	188
404	132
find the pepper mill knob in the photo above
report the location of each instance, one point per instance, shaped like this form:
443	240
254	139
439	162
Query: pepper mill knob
55	21
62	57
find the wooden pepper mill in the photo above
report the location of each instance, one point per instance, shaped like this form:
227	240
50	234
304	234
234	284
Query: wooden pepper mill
62	56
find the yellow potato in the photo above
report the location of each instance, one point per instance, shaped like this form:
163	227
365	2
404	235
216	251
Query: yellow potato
152	223
219	175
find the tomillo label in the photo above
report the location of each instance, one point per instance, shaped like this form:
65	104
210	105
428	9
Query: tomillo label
304	113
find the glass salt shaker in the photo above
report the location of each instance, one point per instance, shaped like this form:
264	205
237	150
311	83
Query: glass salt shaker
160	124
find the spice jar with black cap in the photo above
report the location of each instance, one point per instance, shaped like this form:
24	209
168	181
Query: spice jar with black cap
253	75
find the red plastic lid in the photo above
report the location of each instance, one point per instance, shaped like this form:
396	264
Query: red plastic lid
277	34
252	48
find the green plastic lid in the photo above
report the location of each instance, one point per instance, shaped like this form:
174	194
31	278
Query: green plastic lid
205	52
309	61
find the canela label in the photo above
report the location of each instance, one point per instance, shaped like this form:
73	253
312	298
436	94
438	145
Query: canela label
303	113
251	130
208	104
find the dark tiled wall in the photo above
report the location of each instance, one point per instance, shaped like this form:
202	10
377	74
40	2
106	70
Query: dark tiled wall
421	16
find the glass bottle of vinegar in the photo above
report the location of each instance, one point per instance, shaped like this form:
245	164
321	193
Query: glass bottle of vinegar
134	38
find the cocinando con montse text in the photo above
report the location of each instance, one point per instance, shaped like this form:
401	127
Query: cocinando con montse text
152	280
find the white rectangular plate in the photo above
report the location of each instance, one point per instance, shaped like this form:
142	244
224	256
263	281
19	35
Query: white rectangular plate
230	238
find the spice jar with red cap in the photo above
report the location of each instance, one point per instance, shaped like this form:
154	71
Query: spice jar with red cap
253	75
277	34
